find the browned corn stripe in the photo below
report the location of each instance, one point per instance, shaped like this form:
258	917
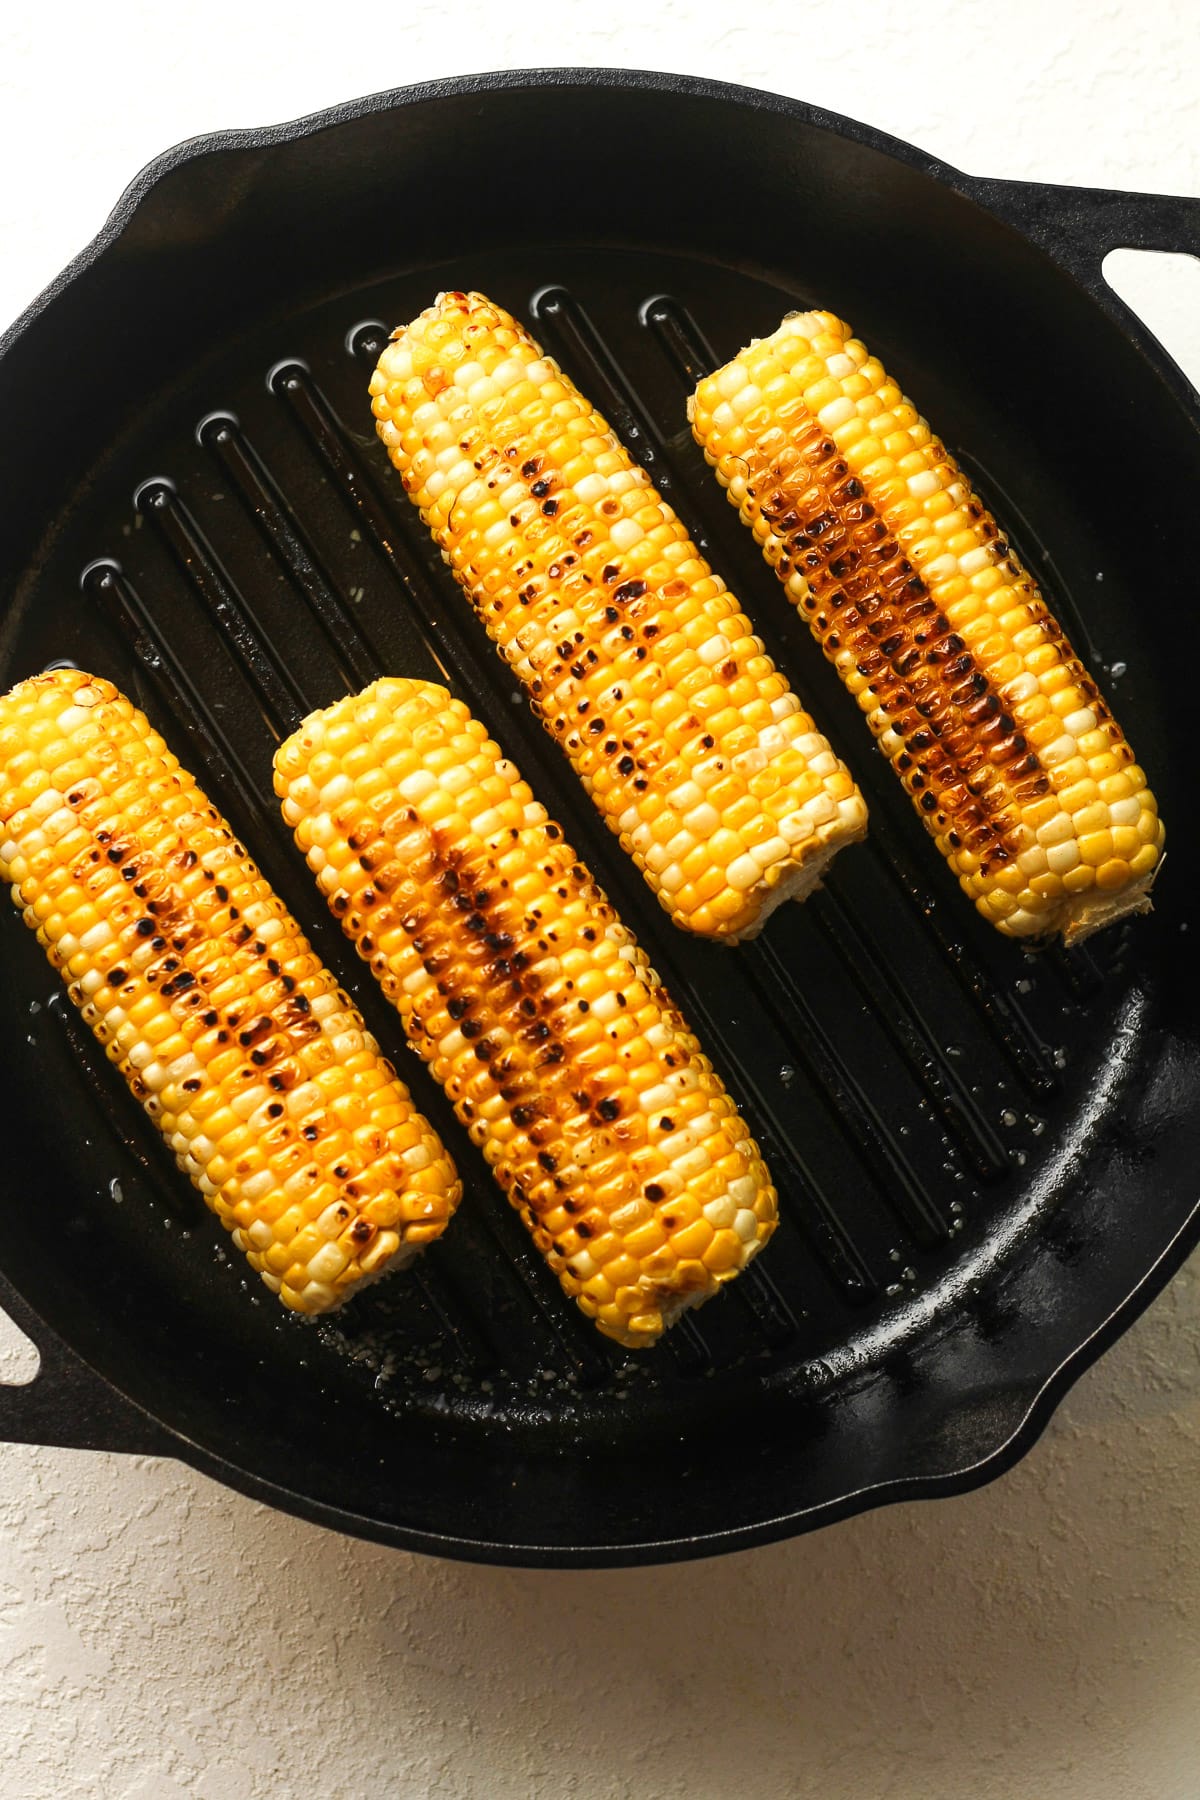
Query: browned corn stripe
865	597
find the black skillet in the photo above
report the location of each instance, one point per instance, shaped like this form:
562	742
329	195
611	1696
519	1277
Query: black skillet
987	1158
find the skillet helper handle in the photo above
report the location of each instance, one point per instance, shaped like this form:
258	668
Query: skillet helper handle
67	1405
1079	226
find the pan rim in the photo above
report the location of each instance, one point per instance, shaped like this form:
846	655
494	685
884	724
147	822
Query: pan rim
1039	1408
305	125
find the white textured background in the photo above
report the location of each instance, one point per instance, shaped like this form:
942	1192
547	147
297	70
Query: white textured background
1040	1640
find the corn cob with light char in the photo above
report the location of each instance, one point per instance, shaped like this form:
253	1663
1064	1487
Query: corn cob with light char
998	732
239	1044
637	658
531	1002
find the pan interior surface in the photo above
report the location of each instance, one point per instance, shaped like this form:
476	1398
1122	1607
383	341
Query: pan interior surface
982	1153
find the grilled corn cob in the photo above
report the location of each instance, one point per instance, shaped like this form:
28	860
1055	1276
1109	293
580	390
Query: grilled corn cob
531	1002
998	732
240	1046
635	654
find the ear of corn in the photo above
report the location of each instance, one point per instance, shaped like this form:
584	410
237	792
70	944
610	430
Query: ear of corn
531	1002
998	732
637	658
239	1044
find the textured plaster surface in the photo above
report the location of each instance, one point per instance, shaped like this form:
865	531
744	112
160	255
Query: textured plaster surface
162	1638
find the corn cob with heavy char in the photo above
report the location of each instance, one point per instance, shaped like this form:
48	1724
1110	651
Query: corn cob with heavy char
637	658
979	702
531	1002
239	1044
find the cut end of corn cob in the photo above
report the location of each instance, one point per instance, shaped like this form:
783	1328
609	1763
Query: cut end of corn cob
534	1007
199	984
996	729
637	659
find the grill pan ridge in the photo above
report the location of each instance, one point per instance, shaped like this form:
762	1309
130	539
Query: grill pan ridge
985	1157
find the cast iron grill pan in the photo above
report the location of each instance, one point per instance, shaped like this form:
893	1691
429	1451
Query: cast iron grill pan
985	1156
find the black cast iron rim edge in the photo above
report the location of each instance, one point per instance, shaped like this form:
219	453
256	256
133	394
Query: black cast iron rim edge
1038	1410
1023	207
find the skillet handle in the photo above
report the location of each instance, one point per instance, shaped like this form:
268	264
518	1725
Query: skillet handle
67	1404
1079	226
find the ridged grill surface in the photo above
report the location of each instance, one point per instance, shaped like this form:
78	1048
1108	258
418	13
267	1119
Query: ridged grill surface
903	1072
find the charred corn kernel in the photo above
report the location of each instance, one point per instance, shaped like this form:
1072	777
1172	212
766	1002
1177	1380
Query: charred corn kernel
997	731
636	657
239	1044
533	1005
